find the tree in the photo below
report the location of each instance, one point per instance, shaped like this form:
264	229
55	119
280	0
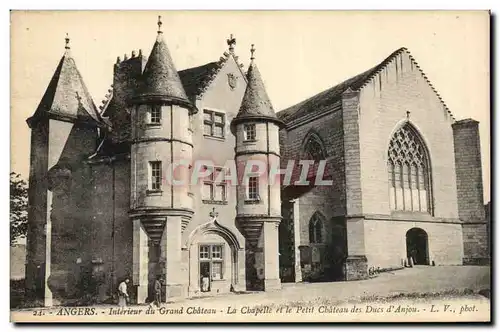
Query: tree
18	208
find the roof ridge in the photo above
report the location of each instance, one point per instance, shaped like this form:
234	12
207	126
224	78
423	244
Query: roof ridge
383	63
220	64
106	101
424	75
355	83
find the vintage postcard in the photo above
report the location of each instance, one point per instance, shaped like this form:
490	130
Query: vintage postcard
250	166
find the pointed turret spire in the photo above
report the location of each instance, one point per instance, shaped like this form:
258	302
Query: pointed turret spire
256	104
160	80
67	96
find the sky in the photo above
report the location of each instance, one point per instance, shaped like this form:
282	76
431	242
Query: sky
299	54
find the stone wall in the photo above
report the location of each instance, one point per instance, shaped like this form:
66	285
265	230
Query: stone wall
399	88
385	242
475	238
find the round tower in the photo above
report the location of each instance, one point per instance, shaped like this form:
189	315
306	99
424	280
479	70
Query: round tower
256	128
161	152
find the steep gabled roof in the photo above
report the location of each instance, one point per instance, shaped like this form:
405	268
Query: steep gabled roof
67	96
195	79
324	100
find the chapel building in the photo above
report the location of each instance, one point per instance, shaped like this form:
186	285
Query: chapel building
406	180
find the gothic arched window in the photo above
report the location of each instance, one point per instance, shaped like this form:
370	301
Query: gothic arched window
313	148
316	229
409	172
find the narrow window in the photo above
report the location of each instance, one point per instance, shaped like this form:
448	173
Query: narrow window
155	114
250	132
315	229
155	171
253	188
191	125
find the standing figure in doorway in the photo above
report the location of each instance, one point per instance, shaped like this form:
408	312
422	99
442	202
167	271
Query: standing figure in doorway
157	287
123	297
205	279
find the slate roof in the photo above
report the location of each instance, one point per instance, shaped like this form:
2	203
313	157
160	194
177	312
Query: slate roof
256	103
323	100
195	79
67	96
161	81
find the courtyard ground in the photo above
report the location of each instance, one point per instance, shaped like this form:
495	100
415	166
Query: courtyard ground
416	285
420	279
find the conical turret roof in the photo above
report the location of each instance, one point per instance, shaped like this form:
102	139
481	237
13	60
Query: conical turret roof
256	104
160	79
67	97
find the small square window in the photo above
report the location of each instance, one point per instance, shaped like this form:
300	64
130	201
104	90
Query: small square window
250	132
218	131
207	115
217	252
214	123
219	118
207	129
155	114
204	252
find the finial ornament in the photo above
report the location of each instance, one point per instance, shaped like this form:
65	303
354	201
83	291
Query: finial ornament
159	24
408	115
231	42
67	42
213	214
252	51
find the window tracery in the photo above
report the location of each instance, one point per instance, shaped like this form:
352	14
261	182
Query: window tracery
408	172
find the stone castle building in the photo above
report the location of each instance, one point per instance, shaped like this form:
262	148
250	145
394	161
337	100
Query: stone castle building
406	180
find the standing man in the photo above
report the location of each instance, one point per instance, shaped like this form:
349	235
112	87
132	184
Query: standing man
157	288
122	293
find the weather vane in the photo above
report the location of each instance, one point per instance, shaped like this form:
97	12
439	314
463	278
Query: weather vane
159	24
67	41
231	42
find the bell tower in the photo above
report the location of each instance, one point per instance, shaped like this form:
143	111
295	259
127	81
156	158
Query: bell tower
256	128
160	206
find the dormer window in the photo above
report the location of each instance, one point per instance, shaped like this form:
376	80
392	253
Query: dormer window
250	132
155	117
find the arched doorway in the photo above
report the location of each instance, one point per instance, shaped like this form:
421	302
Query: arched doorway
213	259
417	246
